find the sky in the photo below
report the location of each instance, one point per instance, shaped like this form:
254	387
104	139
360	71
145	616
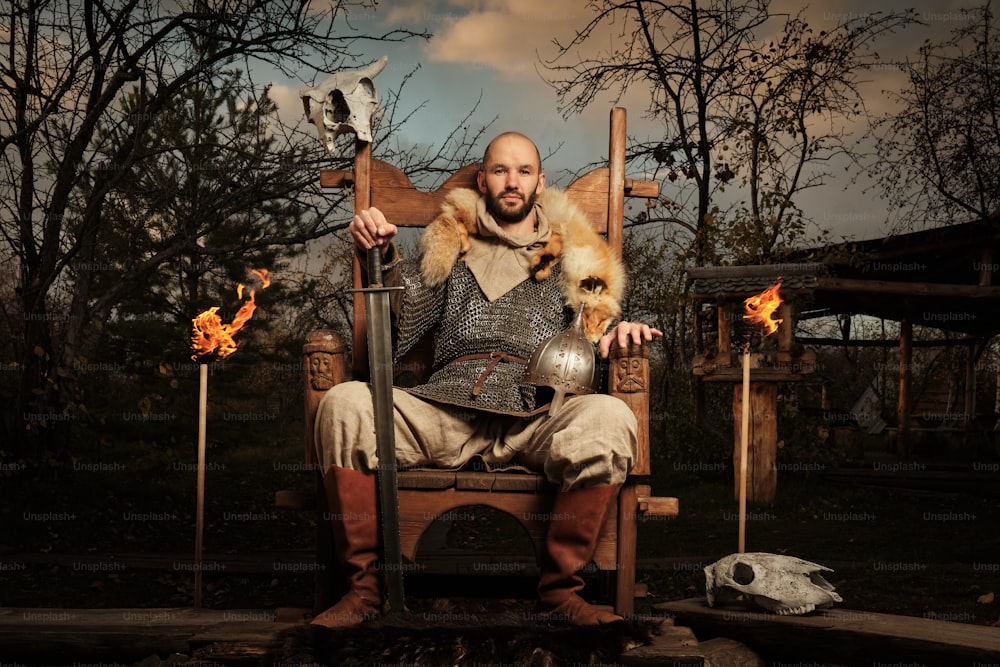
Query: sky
496	49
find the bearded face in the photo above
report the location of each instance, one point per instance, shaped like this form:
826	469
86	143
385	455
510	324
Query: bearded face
511	178
510	205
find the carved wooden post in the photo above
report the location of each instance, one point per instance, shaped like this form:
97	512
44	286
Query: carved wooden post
323	366
628	380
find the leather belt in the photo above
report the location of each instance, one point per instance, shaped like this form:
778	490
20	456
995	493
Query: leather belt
495	358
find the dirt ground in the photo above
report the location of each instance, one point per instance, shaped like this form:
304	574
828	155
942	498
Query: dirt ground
117	529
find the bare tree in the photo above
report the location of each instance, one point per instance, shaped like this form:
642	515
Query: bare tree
740	110
84	82
681	53
938	158
793	100
746	117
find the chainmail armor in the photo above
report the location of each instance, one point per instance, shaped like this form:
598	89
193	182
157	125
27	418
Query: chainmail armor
468	324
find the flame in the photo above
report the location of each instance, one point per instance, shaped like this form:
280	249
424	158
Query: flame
760	308
209	335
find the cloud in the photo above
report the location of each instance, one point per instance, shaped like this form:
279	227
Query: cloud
289	102
504	37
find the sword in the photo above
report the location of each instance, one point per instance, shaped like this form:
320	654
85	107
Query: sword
380	372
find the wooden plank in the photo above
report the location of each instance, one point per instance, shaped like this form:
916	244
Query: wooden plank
61	636
725	652
590	193
885	342
513	481
675	646
213	637
678	646
406	206
725	373
336	178
290	561
843	636
659	506
474	481
641	189
908	289
426	479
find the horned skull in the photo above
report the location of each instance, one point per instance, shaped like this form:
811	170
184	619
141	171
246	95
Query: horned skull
343	103
785	585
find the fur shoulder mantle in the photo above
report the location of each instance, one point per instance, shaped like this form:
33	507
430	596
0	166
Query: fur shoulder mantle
590	273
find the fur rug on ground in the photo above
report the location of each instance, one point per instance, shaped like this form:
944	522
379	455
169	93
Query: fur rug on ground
432	640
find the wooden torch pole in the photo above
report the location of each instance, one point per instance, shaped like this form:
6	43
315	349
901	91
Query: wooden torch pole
200	513
744	447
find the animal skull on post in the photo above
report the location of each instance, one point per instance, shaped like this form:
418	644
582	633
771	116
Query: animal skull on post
343	103
785	585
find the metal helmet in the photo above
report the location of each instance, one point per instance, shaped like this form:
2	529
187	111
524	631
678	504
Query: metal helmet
565	362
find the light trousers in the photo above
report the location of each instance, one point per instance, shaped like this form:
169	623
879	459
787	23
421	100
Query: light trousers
590	441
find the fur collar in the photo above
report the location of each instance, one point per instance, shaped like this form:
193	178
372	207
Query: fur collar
590	273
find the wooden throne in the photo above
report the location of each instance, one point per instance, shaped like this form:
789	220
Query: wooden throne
428	494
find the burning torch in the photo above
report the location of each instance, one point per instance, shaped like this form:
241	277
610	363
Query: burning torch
760	310
210	337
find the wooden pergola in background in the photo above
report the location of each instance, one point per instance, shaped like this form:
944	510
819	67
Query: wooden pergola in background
940	278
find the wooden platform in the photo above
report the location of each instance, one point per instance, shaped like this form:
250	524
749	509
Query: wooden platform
119	636
843	636
241	637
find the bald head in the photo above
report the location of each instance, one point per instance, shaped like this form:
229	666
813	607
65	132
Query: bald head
510	138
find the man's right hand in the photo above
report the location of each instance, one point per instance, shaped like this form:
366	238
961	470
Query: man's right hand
370	229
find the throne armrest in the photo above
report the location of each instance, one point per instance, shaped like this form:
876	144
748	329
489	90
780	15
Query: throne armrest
324	365
628	379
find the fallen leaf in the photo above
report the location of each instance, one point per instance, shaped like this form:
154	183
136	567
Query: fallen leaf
986	598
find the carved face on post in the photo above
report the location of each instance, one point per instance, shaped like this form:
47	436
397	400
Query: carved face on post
343	103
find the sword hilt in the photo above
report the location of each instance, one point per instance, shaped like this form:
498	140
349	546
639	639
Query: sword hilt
374	266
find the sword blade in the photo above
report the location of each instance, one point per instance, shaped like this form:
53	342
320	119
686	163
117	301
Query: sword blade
379	325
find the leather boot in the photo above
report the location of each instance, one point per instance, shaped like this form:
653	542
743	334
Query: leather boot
577	518
354	522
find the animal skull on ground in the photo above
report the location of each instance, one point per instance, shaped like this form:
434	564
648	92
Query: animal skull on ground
785	585
343	103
